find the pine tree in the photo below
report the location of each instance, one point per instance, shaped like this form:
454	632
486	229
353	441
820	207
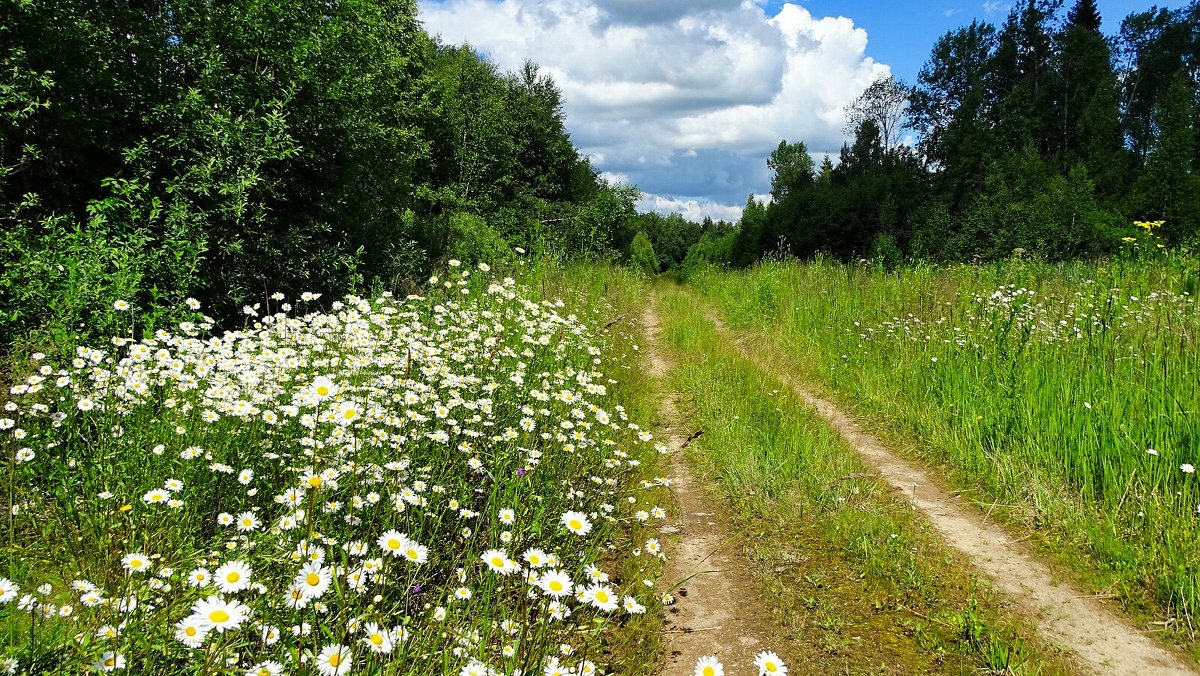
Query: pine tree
1084	14
1090	122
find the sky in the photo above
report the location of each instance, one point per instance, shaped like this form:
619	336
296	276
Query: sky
687	98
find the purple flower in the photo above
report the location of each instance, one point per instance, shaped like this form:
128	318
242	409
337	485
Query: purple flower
520	471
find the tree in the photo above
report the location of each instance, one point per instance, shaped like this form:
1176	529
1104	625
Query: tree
1024	84
793	168
1084	14
1091	128
884	103
1167	188
948	110
641	255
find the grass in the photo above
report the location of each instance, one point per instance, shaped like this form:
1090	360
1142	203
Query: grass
1062	398
856	581
376	485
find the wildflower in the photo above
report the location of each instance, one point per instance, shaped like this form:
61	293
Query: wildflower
109	661
507	517
347	413
709	665
377	638
136	562
267	668
313	579
120	305
602	597
334	660
393	541
577	523
218	614
633	607
233	577
1188	468
536	558
191	632
555	583
8	590
769	663
199	577
247	522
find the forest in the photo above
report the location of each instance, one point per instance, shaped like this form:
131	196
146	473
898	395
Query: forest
158	150
152	151
1041	136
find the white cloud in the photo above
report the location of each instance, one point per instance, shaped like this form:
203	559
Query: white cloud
691	209
686	98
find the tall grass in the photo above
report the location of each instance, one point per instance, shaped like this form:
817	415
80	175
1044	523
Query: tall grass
1066	395
839	557
445	483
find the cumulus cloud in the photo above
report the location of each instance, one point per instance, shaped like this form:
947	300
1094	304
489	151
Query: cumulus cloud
685	98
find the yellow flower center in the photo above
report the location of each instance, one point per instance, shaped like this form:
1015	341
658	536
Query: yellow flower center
709	671
190	631
322	391
602	597
110	662
497	562
315	482
335	659
393	544
576	524
376	639
555	585
771	667
218	616
313	579
233	576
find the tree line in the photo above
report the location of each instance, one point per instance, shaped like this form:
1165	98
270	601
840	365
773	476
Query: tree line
1042	136
154	150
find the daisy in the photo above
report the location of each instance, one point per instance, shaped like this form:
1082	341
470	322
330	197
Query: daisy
378	639
247	522
415	552
555	583
232	577
268	668
498	561
769	663
508	517
536	558
313	579
577	522
109	661
602	597
136	562
709	665
334	660
190	631
199	577
8	590
220	615
393	541
323	388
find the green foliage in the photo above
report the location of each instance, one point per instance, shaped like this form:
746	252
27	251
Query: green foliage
229	150
641	255
1039	136
472	240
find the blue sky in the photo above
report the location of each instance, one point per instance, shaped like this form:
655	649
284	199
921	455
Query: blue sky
903	33
687	98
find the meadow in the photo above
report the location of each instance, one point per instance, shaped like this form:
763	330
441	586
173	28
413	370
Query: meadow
442	483
1059	398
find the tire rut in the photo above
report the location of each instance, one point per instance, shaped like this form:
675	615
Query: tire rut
717	609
